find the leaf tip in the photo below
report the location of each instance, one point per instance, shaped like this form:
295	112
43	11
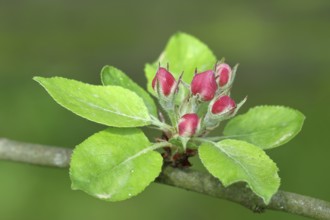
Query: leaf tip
38	79
108	68
73	187
180	34
104	68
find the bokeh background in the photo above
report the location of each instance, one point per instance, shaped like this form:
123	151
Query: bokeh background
283	48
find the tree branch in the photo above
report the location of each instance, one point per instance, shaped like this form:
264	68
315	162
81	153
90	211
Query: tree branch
34	153
186	179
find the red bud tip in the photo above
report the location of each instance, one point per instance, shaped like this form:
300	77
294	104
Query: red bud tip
165	80
223	72
188	125
223	104
205	85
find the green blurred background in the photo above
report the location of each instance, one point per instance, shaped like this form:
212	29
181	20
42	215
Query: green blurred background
283	48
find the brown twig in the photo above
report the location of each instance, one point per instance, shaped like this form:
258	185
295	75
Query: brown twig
183	178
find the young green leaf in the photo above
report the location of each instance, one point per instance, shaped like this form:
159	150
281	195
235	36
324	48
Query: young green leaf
108	105
266	126
114	164
183	52
233	161
112	76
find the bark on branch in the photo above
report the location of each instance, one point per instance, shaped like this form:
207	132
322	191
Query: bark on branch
186	179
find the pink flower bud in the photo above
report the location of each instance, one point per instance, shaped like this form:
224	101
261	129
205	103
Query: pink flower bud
223	104
205	85
188	125
165	80
223	72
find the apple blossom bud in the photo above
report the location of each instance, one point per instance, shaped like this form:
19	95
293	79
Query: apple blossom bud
223	104
188	125
223	73
205	85
165	80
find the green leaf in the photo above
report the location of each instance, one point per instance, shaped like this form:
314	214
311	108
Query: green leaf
232	161
108	105
266	126
114	164
112	76
183	53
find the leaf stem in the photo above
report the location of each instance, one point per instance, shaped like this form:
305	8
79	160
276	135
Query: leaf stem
162	144
172	115
217	138
186	179
161	125
203	139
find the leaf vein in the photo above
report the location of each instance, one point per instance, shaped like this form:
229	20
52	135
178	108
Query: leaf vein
112	111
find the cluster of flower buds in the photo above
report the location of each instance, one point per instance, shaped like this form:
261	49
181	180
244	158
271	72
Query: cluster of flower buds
210	88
